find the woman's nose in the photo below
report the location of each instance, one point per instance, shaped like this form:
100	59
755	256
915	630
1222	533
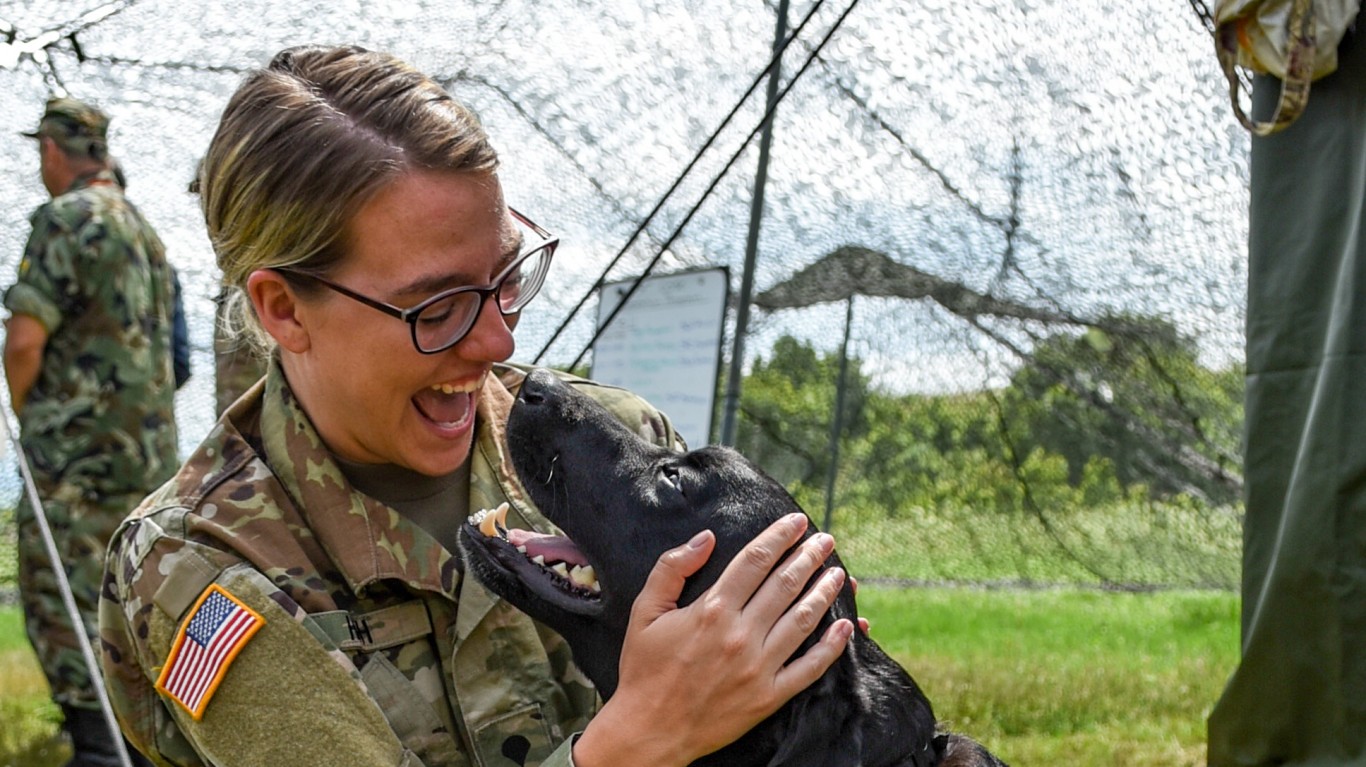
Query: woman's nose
490	338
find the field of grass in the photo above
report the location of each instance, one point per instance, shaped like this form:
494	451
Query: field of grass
29	721
1063	676
1078	677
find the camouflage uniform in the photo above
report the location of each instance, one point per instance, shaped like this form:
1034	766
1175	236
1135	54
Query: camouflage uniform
376	648
98	425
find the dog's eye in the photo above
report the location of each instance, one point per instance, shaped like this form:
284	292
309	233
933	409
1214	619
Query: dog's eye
672	478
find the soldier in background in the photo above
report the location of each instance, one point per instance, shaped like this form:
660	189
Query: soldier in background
88	363
180	328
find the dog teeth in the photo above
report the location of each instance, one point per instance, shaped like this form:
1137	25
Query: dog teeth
487	526
584	575
493	524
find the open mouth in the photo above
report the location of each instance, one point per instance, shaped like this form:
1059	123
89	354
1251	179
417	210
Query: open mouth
550	565
448	405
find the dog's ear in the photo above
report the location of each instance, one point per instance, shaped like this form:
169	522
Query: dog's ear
820	727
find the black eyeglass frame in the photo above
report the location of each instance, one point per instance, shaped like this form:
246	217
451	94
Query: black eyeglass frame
549	242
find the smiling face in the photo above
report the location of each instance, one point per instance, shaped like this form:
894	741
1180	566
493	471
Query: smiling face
371	395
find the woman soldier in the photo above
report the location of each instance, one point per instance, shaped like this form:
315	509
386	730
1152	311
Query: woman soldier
295	595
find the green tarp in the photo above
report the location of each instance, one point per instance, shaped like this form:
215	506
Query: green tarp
1298	696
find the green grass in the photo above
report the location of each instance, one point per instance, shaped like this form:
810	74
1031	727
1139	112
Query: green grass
1066	677
31	722
1044	678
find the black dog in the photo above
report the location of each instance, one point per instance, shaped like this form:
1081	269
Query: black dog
624	502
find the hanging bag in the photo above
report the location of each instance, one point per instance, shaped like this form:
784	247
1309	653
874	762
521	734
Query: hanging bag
1294	40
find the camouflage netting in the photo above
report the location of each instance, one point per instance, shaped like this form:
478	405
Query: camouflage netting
987	180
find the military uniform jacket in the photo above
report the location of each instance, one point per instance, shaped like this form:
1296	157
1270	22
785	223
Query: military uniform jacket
374	648
100	418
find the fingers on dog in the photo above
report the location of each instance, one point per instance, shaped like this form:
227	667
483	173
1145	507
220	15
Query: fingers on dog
801	672
748	571
665	582
805	615
790	579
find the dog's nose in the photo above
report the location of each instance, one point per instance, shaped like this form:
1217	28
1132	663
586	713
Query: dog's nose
537	386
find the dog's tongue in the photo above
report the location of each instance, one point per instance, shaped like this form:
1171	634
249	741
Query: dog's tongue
553	547
443	408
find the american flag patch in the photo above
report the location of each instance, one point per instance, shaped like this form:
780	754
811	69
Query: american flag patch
217	628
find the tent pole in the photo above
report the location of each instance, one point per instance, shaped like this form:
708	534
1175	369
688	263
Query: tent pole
756	215
837	423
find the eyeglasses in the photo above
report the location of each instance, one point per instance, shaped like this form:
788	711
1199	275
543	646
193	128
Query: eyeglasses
442	321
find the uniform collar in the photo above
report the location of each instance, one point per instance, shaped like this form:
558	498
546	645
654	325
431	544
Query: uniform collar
103	177
368	540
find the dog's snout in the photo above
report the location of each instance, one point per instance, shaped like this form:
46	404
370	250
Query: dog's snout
538	387
532	393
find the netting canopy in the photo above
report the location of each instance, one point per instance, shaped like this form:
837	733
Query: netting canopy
1059	165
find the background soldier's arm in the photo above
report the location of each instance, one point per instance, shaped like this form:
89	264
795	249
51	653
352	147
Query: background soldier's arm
25	338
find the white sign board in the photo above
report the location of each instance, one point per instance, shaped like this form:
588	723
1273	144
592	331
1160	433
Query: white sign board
665	345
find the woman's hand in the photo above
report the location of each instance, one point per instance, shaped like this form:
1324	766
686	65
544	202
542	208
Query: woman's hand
695	679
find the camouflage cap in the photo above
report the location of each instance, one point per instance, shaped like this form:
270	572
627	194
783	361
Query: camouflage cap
74	124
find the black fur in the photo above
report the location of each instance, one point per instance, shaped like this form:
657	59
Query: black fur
624	502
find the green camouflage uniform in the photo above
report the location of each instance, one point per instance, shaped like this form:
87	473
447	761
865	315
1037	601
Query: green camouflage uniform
98	425
376	648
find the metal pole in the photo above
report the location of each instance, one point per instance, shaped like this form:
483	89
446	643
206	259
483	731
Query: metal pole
756	215
64	585
837	424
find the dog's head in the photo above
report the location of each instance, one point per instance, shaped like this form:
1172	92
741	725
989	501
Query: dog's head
622	502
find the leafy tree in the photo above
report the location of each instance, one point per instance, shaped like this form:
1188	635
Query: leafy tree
1093	419
1137	397
787	407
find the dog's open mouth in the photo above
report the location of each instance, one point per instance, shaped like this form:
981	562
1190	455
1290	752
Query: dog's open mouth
549	564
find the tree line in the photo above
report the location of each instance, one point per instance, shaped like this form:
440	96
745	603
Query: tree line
1091	418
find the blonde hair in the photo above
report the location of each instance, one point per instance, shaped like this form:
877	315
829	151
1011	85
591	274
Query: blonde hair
305	142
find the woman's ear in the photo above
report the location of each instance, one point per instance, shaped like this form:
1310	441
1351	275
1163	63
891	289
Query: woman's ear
279	310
